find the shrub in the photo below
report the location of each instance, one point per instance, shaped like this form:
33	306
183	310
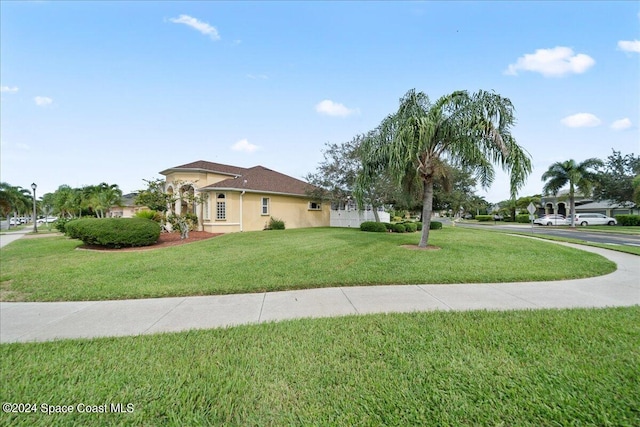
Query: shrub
114	232
410	227
628	220
149	214
373	226
523	218
61	223
275	224
398	228
482	218
387	225
418	225
435	225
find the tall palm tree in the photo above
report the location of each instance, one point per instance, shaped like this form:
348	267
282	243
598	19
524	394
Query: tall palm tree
470	131
579	176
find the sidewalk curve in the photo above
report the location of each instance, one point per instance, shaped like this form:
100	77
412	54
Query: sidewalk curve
45	321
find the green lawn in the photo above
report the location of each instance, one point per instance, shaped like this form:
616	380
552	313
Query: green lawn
50	269
516	368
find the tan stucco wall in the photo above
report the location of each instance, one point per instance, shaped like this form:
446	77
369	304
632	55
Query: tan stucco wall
198	179
294	211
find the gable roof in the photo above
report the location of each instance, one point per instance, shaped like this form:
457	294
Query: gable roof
264	180
204	166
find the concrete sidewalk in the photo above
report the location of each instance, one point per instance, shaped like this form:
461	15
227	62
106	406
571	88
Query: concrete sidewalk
37	321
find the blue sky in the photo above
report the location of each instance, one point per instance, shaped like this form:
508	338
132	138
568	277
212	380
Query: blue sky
118	91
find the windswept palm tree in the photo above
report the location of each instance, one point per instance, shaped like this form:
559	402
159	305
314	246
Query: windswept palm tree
580	176
471	131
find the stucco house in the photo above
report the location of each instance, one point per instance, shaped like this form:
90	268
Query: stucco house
229	198
560	204
127	208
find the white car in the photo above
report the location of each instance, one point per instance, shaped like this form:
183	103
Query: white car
594	219
551	219
47	219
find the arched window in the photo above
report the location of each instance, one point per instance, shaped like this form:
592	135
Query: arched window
221	207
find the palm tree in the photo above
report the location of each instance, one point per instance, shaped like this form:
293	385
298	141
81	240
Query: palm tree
578	175
470	131
15	199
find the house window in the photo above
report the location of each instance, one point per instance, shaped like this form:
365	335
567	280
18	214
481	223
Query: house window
314	206
221	207
265	206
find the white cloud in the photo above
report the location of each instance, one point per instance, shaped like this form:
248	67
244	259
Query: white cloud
621	124
554	62
8	89
245	146
43	101
258	76
197	25
581	120
331	108
629	45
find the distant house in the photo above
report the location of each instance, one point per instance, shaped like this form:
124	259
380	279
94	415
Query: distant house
127	208
230	198
560	205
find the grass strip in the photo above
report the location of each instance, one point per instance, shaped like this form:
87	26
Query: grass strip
525	368
50	269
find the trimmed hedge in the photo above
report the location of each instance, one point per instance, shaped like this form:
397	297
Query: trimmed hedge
628	220
410	227
435	225
398	228
114	232
482	218
373	226
418	225
523	219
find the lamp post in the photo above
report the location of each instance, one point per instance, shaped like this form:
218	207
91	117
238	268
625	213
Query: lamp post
35	222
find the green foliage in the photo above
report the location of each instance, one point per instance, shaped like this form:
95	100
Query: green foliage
154	197
523	218
147	214
114	232
418	225
410	227
275	224
628	220
373	226
484	218
61	223
398	228
387	225
435	225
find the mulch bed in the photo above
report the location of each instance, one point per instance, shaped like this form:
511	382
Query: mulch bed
165	240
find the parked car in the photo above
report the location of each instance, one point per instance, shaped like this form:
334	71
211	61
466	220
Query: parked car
594	219
551	219
47	220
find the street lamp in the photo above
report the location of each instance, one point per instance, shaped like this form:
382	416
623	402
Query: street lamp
35	222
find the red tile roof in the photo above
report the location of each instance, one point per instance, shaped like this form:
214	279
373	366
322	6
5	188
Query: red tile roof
261	179
257	178
203	165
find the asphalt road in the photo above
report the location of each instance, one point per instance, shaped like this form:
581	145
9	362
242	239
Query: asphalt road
580	233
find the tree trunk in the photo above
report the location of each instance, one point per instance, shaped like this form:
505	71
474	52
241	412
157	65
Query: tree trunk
427	208
376	216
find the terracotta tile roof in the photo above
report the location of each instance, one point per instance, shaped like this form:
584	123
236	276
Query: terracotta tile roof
261	179
209	167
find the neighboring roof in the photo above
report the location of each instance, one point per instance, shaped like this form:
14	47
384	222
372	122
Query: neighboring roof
264	180
604	204
204	166
128	200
